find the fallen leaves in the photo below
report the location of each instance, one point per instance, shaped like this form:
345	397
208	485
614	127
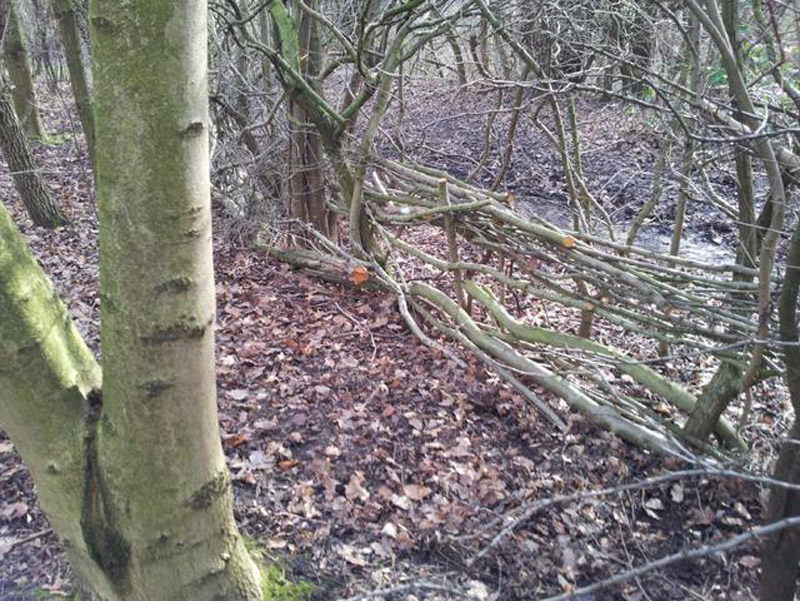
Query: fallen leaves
401	502
389	529
355	490
352	555
415	492
332	451
13	511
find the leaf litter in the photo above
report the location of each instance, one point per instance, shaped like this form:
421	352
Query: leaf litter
362	458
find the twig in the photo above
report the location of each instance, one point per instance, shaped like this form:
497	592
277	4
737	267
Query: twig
696	553
5	548
419	585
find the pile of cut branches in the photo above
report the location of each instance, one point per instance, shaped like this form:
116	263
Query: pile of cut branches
499	269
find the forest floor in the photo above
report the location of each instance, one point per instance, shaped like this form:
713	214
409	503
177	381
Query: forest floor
363	459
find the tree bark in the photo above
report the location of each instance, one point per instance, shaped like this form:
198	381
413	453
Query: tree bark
18	65
724	387
458	57
713	20
160	510
42	208
747	253
780	552
69	31
132	477
47	377
306	182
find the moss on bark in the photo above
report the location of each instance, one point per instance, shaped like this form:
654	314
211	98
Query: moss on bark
47	377
164	483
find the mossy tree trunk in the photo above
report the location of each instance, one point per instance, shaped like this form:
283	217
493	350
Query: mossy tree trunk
34	193
18	65
133	477
47	378
306	181
163	513
64	11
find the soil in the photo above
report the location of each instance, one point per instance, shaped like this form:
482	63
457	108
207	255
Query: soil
445	128
362	459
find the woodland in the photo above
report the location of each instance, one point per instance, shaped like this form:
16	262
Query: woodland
399	299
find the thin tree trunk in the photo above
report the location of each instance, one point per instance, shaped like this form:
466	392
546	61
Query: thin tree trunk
19	72
306	181
474	45
458	56
265	35
724	387
578	218
158	513
640	42
508	154
780	552
687	160
39	203
747	253
69	31
487	137
664	154
306	189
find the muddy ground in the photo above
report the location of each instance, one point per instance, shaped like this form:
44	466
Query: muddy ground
362	459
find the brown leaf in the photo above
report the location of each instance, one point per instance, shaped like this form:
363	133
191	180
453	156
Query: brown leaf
416	492
13	511
236	440
750	561
354	490
351	555
401	501
250	349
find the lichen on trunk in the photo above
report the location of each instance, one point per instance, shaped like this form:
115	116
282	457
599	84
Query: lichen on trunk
47	377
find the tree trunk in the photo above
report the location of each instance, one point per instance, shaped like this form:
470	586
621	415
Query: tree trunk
42	208
306	182
747	253
458	57
781	552
306	187
639	39
69	31
724	387
19	72
159	515
47	377
133	478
